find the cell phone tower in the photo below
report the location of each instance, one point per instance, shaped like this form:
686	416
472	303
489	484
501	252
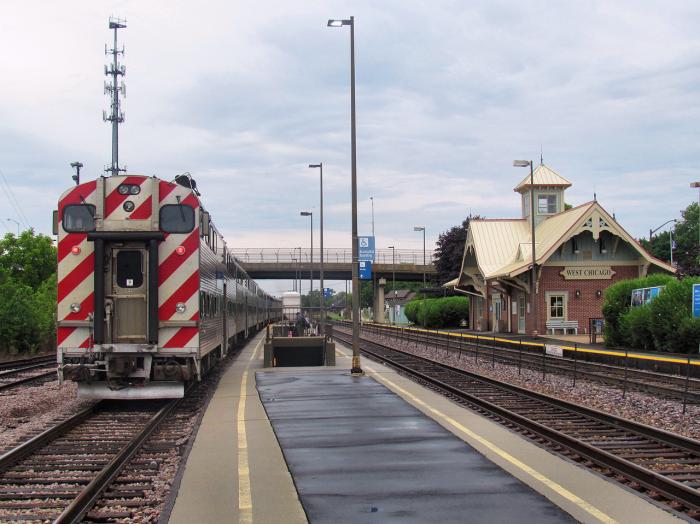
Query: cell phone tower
116	115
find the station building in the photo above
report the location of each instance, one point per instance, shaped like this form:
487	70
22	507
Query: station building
579	252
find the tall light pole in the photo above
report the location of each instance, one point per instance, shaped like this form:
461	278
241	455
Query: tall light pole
323	289
697	185
13	220
422	228
356	368
372	200
393	282
533	273
311	255
670	232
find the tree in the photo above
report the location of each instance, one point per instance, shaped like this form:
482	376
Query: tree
29	259
450	248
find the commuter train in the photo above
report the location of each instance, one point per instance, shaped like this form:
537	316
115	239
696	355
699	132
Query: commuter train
149	297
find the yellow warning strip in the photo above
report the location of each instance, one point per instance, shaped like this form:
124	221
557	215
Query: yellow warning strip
245	499
554	486
638	356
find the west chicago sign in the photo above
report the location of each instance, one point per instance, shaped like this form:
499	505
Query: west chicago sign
587	273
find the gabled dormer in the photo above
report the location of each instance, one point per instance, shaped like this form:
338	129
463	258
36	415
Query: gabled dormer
548	188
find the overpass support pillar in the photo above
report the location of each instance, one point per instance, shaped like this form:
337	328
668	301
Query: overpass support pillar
379	300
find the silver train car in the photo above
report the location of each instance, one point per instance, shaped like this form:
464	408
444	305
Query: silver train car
149	295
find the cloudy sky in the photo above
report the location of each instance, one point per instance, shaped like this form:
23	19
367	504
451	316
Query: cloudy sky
244	95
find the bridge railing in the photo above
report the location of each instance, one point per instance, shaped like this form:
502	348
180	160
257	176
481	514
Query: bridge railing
330	255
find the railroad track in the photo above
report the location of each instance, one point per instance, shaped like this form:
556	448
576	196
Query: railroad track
25	371
663	466
662	385
14	364
59	474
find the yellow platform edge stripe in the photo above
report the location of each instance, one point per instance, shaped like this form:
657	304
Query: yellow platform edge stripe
613	353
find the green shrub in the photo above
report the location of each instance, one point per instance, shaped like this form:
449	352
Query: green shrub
671	324
635	328
438	312
617	303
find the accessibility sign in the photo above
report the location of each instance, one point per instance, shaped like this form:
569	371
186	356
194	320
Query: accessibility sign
365	270
366	248
696	300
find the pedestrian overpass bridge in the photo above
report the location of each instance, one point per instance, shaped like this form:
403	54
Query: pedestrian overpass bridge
291	263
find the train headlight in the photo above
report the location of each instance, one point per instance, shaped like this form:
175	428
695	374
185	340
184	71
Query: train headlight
123	189
128	206
75	307
135	189
180	307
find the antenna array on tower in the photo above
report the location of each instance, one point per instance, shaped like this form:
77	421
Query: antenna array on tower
116	115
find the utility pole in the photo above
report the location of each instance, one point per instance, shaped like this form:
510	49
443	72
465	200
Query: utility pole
116	115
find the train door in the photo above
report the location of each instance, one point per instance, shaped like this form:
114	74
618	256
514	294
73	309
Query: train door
126	304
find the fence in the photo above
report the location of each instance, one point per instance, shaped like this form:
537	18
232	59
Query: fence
330	255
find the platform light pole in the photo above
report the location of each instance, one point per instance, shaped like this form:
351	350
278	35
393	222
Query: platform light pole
323	289
371	199
697	185
670	232
356	367
393	281
422	228
311	255
533	273
13	220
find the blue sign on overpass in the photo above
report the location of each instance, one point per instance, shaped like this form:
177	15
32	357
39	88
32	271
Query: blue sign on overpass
696	300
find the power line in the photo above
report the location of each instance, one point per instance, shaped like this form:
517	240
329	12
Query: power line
13	201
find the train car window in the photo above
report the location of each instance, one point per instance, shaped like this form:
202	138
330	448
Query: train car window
79	218
129	269
176	218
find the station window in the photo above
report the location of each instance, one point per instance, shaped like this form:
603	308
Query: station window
79	218
177	218
546	204
557	307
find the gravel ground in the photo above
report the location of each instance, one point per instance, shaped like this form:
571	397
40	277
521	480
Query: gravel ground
639	407
24	411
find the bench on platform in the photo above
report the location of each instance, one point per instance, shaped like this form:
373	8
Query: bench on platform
564	325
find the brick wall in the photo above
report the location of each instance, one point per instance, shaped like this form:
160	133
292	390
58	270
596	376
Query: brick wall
587	305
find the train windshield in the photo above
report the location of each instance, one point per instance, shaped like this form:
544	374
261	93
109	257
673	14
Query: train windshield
79	218
177	218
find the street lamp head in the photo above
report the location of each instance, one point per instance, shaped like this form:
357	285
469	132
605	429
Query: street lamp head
76	164
418	228
521	163
695	184
338	23
315	165
306	213
390	247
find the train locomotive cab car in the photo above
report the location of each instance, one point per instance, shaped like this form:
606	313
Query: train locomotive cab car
148	296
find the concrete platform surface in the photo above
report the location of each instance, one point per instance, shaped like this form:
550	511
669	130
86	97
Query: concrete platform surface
360	453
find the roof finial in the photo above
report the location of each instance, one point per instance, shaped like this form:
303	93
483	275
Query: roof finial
541	156
595	198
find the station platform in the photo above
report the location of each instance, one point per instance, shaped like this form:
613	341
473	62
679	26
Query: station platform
317	445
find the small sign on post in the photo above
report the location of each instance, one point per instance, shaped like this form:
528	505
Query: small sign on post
365	270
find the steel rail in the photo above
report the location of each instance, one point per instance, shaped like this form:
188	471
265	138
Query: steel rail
86	499
649	479
21	381
13	456
595	371
27	361
10	372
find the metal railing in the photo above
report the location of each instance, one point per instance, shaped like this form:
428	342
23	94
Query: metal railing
330	255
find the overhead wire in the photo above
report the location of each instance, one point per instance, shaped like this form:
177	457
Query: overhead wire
13	201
